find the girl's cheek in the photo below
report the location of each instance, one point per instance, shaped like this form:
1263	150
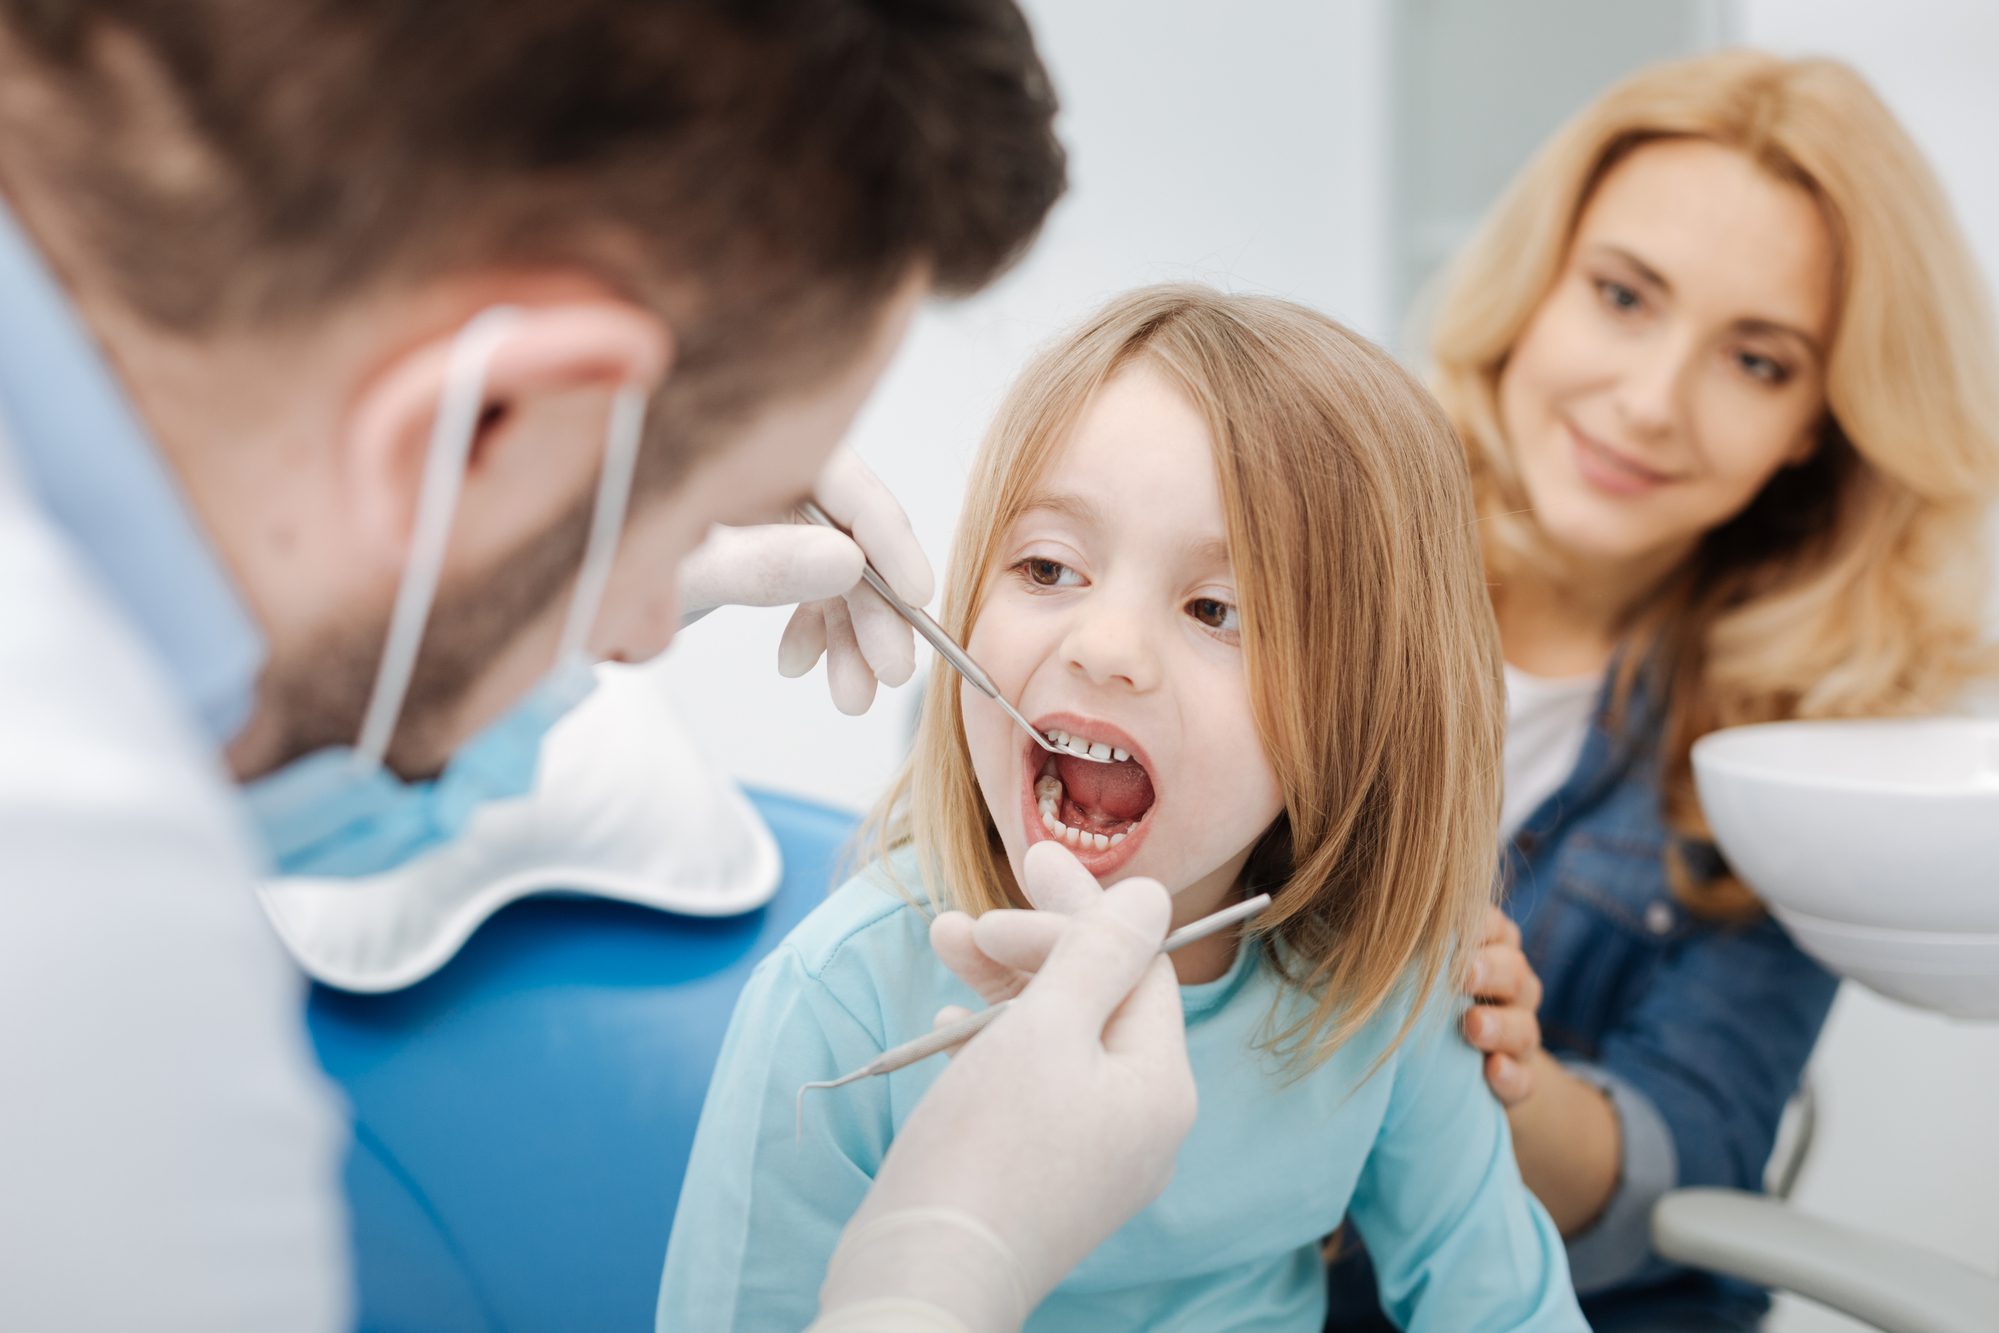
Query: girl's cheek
1011	640
984	633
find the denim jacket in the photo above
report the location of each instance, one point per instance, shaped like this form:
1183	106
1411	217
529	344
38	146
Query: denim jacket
1698	1032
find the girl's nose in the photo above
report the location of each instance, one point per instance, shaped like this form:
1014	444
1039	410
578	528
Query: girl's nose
1110	645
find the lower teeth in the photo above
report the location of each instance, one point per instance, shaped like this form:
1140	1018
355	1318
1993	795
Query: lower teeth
1048	796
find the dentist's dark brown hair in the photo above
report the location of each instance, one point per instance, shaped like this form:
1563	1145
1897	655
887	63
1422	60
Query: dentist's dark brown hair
761	174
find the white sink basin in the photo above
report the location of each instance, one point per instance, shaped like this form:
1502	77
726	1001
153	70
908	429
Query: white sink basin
1876	843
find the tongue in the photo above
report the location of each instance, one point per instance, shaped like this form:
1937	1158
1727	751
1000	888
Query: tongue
1121	791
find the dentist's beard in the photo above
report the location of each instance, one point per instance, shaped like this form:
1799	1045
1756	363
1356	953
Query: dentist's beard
317	700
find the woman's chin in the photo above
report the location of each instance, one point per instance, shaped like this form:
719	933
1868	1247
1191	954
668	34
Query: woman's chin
1589	535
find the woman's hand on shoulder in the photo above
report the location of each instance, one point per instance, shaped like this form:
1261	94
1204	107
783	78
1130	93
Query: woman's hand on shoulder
1504	1024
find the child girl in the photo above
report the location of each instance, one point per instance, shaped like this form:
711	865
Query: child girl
1230	545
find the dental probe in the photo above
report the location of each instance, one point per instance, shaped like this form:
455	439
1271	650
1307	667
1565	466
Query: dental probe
947	647
944	1038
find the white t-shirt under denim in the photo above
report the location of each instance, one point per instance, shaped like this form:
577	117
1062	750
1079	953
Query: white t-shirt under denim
1547	721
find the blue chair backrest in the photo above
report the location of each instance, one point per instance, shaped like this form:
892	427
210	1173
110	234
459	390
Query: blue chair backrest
522	1119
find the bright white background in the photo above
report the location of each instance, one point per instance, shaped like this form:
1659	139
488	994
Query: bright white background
1247	144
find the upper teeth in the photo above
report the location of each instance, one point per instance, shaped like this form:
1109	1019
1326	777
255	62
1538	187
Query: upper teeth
1085	748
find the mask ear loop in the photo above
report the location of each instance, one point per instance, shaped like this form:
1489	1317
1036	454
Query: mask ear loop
451	437
607	521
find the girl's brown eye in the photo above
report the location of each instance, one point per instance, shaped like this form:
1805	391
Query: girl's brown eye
1047	573
1040	572
1213	612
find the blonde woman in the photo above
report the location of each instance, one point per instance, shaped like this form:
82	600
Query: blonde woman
1231	547
1724	371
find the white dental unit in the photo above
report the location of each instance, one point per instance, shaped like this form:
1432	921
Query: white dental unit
1876	844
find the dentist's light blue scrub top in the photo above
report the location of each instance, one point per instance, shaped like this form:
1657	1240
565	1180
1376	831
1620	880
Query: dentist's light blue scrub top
1417	1158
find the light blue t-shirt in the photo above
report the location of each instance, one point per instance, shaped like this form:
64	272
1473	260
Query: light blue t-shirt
1417	1158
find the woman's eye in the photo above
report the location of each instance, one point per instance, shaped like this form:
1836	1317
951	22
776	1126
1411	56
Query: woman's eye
1760	367
1618	296
1045	573
1216	614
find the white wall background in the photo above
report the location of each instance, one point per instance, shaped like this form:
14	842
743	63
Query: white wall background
1245	144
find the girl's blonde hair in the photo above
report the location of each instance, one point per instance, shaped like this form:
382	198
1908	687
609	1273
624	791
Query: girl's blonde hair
1369	645
1853	584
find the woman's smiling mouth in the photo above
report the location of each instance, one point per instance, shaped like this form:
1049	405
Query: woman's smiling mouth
1611	470
1100	811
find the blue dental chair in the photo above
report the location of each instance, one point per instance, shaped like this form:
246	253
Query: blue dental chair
522	1119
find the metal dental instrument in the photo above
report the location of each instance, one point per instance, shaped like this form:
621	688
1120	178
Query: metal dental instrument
947	647
944	1038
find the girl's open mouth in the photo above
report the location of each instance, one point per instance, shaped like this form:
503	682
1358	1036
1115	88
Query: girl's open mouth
1099	811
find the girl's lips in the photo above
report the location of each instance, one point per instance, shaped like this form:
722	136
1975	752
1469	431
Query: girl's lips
1609	471
1101	864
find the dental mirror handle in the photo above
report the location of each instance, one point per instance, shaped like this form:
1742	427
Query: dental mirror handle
947	647
919	619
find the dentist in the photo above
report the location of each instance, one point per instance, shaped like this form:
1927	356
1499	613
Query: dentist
365	369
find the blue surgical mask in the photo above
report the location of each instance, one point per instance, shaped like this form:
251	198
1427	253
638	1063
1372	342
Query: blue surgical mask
341	812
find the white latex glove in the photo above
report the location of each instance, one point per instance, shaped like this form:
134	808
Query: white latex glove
863	640
998	954
1049	1131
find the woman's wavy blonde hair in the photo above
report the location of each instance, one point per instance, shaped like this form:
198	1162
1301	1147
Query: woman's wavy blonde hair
1368	640
1854	584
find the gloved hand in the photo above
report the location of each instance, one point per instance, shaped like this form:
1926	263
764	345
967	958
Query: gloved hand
864	641
1049	1131
999	953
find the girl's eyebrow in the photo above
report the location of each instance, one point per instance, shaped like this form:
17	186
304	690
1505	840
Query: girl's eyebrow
1213	551
1066	504
1085	512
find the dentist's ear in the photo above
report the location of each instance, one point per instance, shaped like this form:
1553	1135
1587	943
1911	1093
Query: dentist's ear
539	353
